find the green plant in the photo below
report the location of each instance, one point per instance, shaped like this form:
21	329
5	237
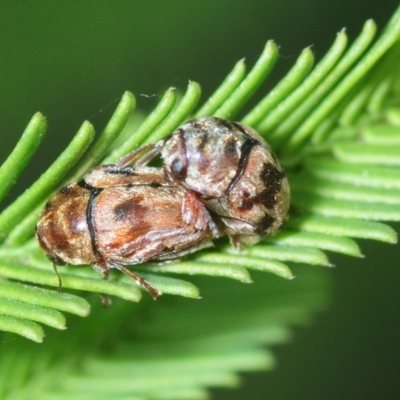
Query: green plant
335	128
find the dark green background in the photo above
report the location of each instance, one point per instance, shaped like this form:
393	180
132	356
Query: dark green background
73	60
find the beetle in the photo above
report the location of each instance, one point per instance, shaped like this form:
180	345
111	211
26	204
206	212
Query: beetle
120	215
234	171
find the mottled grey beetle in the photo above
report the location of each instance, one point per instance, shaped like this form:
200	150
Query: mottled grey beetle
234	171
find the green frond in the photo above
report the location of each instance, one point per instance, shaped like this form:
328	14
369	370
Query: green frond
111	131
231	82
335	128
177	115
22	153
250	83
154	120
45	185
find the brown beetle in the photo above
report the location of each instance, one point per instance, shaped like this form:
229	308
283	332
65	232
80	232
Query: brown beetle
234	171
120	215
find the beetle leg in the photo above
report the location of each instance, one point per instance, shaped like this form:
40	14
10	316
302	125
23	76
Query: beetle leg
130	158
105	269
181	247
140	280
195	213
141	156
166	245
239	240
169	243
100	266
149	155
109	176
105	299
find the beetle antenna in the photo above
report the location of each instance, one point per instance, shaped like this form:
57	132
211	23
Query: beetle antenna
59	277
